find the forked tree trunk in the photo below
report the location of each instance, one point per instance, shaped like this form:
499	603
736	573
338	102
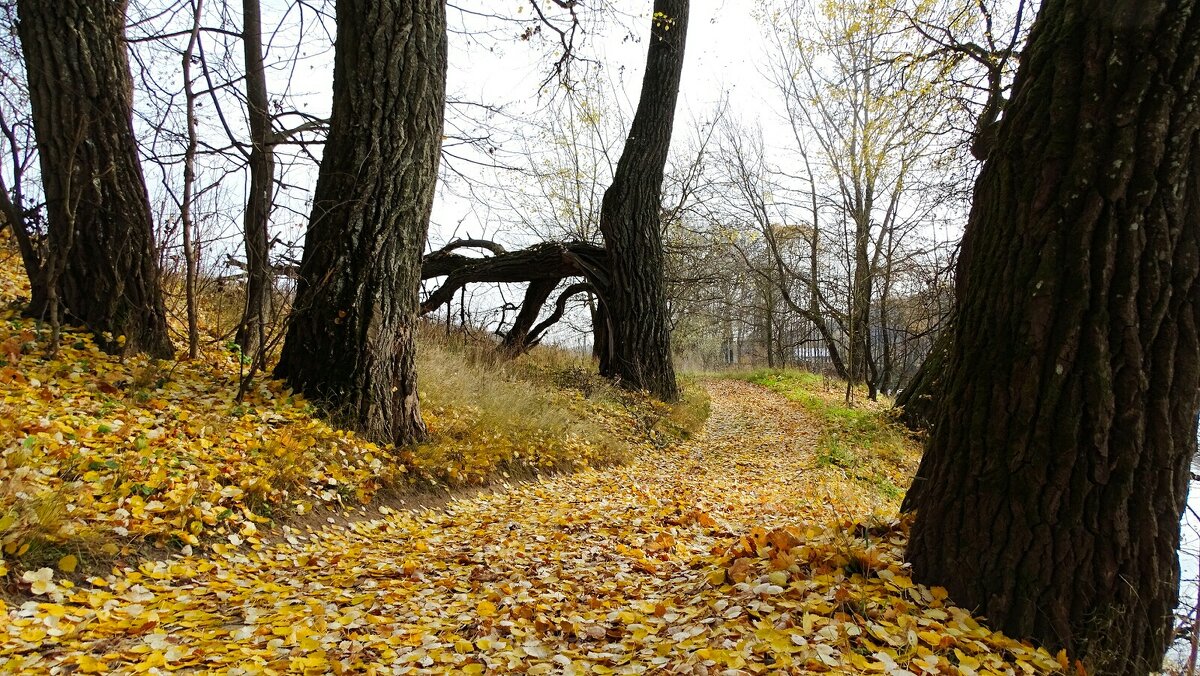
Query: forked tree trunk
516	341
351	341
251	333
101	238
1057	467
635	301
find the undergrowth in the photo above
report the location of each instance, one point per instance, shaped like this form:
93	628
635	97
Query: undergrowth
108	459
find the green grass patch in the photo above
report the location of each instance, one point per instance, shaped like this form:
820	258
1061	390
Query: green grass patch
863	440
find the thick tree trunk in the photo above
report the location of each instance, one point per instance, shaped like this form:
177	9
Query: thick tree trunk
251	333
101	239
636	301
350	344
547	261
1057	467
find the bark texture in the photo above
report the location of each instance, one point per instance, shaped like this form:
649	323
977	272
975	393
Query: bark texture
101	257
350	343
635	303
251	333
1050	494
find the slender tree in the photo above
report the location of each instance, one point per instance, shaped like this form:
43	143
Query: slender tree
350	344
635	301
1057	468
186	223
101	264
259	277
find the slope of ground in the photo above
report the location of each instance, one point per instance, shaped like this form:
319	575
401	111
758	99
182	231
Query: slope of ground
737	552
107	460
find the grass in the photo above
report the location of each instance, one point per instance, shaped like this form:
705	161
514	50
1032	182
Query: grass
548	410
862	440
109	460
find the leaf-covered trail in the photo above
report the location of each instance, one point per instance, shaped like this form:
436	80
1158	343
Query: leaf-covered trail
721	554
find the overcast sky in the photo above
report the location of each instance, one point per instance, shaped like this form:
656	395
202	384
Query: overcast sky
724	52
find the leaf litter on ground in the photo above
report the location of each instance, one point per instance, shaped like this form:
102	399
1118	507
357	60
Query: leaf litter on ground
751	548
733	553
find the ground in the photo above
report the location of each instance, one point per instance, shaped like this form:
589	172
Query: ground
743	550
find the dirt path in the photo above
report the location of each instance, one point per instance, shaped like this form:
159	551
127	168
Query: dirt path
598	572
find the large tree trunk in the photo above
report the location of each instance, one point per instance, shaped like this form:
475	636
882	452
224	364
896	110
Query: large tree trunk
1057	467
101	258
350	344
636	301
251	333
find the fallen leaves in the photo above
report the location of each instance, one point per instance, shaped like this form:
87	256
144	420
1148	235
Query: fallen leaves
734	553
104	456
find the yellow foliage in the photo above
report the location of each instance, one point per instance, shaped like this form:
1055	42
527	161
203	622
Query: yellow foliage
736	551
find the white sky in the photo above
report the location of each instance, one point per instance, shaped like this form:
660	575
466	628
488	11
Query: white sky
724	48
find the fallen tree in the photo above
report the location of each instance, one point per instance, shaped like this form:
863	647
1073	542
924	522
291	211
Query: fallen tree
544	266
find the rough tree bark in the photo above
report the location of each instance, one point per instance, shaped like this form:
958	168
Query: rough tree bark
636	302
1050	494
101	259
350	343
251	333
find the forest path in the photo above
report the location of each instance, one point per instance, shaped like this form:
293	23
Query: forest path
622	570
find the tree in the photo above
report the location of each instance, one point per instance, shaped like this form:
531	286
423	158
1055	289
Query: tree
873	124
631	322
101	265
251	333
635	302
978	43
350	342
1056	472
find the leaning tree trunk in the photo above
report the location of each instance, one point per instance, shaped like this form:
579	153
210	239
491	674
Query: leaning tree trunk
350	344
101	257
251	333
1057	467
636	302
516	341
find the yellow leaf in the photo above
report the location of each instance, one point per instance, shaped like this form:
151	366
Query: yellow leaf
486	609
68	563
966	660
91	665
